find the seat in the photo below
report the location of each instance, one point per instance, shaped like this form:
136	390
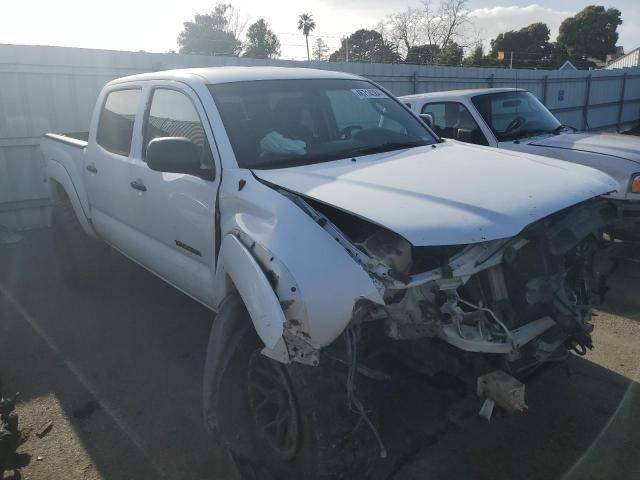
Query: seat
245	133
294	118
467	130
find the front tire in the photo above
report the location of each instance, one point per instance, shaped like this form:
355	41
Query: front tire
284	421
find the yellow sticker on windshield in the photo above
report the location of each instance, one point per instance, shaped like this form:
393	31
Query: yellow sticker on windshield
364	93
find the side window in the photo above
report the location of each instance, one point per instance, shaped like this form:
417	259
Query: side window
453	120
172	114
436	110
115	127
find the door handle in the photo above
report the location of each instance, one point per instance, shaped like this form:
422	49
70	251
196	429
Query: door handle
138	185
92	168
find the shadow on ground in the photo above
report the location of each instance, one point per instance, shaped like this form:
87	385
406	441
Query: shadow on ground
124	361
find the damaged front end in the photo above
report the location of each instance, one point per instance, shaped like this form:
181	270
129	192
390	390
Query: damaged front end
515	302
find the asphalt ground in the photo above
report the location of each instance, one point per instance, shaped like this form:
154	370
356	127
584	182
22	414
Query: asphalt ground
117	368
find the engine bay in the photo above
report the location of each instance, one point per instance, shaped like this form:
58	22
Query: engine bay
533	290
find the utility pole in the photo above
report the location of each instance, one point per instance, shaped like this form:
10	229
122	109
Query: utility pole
511	62
347	49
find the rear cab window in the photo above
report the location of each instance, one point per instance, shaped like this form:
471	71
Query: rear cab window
117	117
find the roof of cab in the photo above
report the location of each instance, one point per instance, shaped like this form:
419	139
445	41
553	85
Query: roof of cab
236	74
461	93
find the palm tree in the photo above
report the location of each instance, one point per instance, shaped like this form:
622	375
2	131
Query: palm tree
306	24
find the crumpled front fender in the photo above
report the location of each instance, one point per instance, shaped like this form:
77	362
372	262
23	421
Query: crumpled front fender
239	265
314	278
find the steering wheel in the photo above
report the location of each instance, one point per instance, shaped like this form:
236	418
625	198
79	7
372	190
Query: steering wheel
346	132
515	123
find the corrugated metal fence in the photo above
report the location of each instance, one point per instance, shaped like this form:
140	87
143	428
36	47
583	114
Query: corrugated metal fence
45	89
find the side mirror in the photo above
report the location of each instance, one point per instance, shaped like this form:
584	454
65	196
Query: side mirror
173	155
428	119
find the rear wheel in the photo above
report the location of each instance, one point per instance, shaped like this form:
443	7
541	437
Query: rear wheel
287	421
79	256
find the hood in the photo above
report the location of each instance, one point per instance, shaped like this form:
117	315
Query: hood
612	144
449	195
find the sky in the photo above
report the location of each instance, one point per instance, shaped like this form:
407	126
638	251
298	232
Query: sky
143	25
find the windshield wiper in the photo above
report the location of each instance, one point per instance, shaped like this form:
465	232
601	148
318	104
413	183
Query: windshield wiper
561	127
532	132
384	147
537	131
329	156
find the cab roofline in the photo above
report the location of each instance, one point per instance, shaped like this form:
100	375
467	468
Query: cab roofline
213	75
462	93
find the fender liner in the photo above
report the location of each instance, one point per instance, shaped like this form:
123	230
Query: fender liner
257	293
57	171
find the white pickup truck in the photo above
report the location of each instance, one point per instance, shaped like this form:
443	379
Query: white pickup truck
514	119
335	235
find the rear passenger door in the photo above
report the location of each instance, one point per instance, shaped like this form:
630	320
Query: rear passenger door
453	120
108	164
176	212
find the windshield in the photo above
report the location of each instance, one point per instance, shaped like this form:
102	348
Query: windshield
285	123
513	115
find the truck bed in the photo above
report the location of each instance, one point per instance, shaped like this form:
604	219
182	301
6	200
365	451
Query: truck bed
64	160
74	139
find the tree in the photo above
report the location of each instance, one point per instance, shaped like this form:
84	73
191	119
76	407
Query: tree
453	16
214	33
451	54
320	50
433	24
306	24
423	54
366	46
476	58
530	45
592	32
405	28
261	42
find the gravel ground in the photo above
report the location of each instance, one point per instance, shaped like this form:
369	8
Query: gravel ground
116	367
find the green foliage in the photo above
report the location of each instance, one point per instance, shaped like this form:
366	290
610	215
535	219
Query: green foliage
320	50
451	54
306	23
261	42
422	54
530	47
210	34
592	32
532	40
476	57
366	46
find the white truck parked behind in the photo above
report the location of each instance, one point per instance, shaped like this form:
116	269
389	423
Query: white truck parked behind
514	119
334	234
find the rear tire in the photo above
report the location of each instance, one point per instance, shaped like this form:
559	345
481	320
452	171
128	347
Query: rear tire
79	256
320	438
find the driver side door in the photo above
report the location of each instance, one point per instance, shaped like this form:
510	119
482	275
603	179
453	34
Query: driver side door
177	211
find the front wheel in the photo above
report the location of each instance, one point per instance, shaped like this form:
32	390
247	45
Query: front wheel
285	421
